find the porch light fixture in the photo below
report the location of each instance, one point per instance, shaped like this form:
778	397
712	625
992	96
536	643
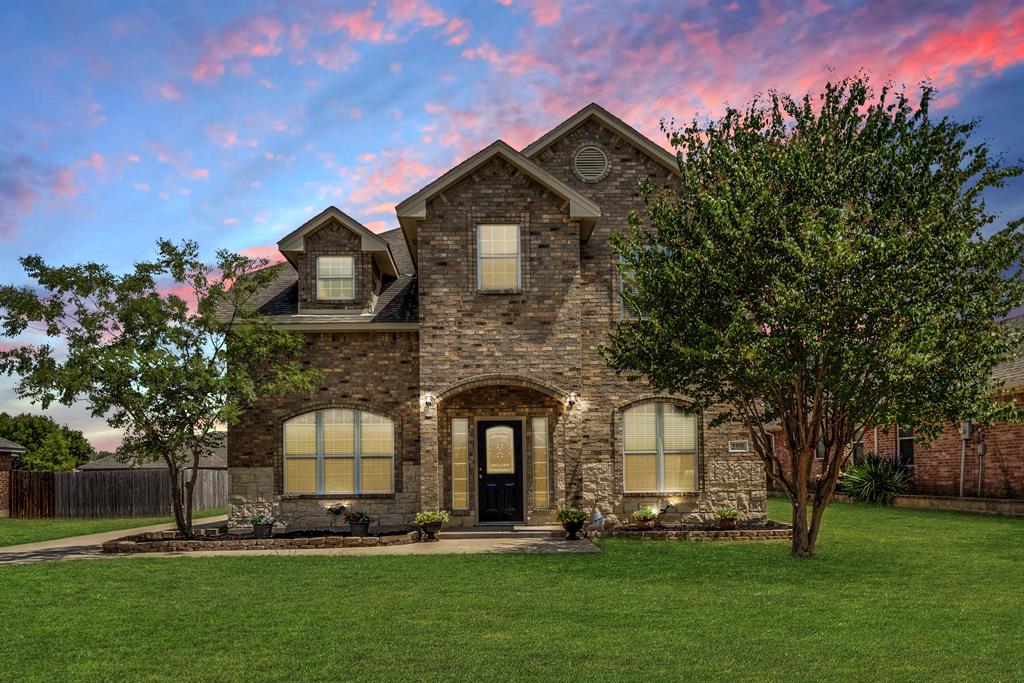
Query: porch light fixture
428	400
571	401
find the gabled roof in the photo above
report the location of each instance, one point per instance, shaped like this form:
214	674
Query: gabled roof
8	446
609	120
414	209
295	242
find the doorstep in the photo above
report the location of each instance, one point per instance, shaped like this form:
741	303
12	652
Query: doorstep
503	531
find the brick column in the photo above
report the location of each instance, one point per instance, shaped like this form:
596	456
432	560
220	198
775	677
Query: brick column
5	484
430	476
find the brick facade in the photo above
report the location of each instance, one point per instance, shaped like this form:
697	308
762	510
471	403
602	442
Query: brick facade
519	354
936	466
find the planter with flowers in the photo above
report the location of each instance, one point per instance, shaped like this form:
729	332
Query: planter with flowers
262	525
727	518
358	522
572	520
645	518
430	522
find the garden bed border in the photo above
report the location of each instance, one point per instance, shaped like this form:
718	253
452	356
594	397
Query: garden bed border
212	539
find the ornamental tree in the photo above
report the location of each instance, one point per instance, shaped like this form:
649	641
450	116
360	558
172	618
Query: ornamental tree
168	353
828	263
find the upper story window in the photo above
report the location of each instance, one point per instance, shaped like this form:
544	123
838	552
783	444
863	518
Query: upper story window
335	451
498	261
335	278
660	449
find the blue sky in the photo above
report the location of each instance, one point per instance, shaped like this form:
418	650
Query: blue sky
231	123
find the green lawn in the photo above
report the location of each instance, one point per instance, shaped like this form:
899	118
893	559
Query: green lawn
18	531
893	595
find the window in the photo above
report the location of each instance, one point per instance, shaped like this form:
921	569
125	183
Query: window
335	278
497	258
819	450
905	442
660	449
541	498
460	464
335	451
858	445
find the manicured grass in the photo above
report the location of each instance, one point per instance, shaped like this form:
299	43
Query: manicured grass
893	595
18	531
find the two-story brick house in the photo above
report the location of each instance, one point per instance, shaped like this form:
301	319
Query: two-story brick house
461	356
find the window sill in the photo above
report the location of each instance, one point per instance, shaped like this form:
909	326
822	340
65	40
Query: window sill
658	494
490	292
335	496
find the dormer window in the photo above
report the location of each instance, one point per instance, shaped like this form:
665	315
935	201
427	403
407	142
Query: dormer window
335	278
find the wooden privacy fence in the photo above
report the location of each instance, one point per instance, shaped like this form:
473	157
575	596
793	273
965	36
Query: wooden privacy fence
108	493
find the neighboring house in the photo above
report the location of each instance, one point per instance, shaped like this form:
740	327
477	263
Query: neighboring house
461	356
993	460
8	449
218	460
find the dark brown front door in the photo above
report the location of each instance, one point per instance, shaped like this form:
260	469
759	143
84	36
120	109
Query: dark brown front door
500	449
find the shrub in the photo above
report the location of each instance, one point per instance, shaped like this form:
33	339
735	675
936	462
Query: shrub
874	479
645	515
728	513
431	517
261	518
357	517
570	515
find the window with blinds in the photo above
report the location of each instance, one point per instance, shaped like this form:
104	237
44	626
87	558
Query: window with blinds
541	487
659	449
339	451
335	278
497	251
460	464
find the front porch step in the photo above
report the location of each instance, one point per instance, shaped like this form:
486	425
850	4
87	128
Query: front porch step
503	531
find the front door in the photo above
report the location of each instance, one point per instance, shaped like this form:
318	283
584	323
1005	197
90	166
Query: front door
500	451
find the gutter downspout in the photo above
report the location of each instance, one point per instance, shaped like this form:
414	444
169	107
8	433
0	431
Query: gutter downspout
963	459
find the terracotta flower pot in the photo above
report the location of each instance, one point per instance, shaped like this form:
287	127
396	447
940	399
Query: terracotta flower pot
262	530
645	523
572	530
430	530
359	530
727	523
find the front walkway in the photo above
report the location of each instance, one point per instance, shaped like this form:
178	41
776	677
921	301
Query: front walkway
88	547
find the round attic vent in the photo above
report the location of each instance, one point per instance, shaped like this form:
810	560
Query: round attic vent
590	163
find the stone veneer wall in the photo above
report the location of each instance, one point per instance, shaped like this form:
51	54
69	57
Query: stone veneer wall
334	239
372	371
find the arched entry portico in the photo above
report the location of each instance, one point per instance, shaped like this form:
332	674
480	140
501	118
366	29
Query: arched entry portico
494	449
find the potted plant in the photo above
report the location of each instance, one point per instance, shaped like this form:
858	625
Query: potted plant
358	522
262	525
645	518
727	518
572	520
430	522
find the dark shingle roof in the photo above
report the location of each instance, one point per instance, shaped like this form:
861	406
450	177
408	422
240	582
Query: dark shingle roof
218	460
8	446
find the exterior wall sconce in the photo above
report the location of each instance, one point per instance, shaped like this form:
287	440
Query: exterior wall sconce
571	401
428	400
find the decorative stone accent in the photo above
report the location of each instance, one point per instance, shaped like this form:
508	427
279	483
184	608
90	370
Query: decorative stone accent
158	542
770	531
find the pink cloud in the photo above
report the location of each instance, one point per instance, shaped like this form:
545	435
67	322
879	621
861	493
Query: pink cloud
230	221
422	13
266	251
250	37
360	25
391	176
133	158
225	137
144	187
336	58
169	91
457	31
395	67
198	174
64	183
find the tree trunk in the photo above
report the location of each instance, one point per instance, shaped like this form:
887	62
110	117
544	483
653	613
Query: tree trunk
183	522
803	538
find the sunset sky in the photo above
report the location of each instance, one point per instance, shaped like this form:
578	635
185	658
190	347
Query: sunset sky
232	123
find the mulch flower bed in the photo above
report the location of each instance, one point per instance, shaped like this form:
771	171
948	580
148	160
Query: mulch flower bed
215	539
745	531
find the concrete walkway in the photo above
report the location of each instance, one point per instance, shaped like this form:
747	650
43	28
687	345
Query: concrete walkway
88	547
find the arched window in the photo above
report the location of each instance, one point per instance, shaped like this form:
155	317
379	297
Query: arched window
660	449
338	451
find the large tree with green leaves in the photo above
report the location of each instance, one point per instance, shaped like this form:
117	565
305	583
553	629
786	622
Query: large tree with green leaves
828	263
48	445
167	352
